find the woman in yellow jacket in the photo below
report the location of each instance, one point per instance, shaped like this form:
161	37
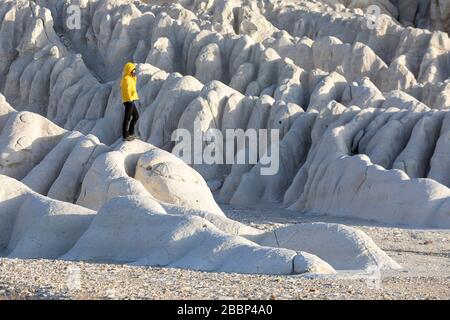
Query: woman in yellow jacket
129	96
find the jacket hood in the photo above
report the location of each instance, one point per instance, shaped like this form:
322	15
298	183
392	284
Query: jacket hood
128	68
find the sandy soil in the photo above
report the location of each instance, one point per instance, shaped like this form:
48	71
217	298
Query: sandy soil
424	254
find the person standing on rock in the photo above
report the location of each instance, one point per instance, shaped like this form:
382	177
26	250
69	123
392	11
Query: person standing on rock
129	96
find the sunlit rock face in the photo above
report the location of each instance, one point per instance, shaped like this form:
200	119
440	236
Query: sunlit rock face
362	116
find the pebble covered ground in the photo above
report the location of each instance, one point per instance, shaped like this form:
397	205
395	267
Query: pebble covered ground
425	255
49	279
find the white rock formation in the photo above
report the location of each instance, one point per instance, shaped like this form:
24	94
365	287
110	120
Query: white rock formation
170	180
146	217
137	229
362	113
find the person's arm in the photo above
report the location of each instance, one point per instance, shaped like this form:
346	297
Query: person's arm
128	90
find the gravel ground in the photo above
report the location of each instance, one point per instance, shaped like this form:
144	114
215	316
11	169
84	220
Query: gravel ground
425	255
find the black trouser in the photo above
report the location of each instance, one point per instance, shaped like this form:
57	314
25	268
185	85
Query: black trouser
130	119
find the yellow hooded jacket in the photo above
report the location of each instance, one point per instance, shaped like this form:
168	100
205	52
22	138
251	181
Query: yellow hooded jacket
128	83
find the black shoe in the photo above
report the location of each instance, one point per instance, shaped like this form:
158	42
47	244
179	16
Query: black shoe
130	138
